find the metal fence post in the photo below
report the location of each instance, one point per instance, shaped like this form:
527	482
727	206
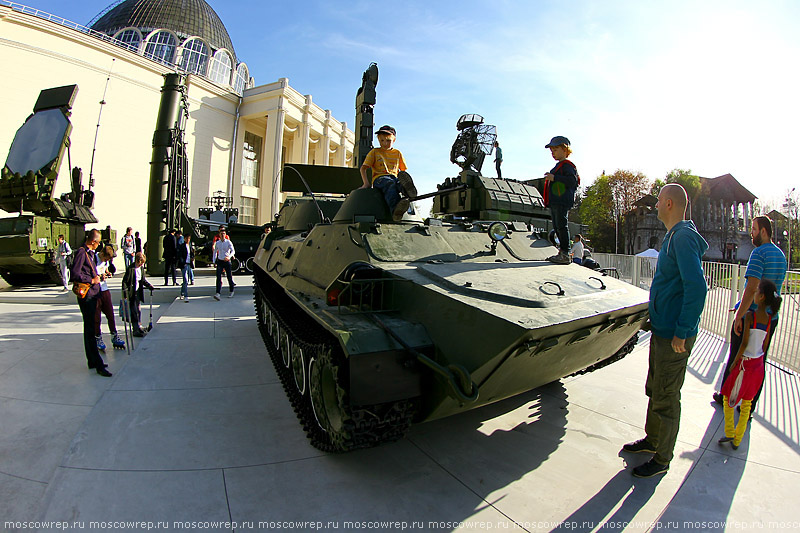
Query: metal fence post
734	298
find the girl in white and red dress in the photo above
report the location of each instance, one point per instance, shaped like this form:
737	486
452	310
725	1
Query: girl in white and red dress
755	339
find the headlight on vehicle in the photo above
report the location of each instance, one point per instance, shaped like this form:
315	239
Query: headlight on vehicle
498	231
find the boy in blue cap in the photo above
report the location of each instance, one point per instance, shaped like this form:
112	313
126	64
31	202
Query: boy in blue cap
559	194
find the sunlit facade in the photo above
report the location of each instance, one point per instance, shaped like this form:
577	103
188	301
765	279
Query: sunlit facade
238	135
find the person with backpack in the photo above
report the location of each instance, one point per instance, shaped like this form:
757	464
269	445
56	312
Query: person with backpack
561	183
63	252
128	247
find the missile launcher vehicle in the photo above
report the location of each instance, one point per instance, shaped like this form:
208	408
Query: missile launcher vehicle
27	184
373	325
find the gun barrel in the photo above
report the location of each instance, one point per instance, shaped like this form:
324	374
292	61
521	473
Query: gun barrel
439	192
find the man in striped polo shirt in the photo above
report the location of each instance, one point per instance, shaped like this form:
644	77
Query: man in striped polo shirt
766	261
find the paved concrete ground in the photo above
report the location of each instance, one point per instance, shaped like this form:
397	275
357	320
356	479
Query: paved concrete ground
194	432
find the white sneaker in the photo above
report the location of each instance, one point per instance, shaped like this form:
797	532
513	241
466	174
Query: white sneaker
230	295
216	296
186	300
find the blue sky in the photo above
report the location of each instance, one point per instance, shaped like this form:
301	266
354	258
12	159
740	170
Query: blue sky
644	86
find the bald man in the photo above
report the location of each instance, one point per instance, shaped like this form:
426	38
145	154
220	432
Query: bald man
677	297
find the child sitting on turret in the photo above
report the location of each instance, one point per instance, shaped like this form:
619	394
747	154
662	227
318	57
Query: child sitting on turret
389	173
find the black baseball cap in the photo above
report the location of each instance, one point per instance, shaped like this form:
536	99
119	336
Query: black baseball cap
558	140
387	130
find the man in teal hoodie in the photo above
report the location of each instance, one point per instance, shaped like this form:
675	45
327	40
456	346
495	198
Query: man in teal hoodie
677	297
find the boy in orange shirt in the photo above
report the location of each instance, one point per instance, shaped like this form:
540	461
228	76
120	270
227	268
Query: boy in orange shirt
389	173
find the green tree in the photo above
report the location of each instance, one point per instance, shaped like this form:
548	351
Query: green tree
597	212
655	188
690	182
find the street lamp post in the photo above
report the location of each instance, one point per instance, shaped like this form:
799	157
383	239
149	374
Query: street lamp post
789	205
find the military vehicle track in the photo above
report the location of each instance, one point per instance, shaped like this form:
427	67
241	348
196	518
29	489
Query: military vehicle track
313	372
621	353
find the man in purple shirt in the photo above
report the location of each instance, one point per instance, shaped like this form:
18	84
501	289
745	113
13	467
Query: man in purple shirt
84	271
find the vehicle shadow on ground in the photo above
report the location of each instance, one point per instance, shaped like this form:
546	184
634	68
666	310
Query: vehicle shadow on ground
489	449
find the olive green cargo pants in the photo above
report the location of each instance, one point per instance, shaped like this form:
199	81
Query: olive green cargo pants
665	378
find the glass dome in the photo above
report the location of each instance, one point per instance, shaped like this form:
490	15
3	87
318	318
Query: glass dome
186	18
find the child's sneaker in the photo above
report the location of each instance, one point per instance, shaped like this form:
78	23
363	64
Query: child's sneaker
406	184
561	258
400	209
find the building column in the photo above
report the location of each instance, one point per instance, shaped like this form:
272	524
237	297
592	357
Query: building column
273	143
325	153
305	135
341	154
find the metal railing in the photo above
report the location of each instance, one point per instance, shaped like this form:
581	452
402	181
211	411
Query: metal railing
725	286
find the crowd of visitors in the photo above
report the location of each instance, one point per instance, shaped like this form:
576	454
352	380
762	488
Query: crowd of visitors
93	264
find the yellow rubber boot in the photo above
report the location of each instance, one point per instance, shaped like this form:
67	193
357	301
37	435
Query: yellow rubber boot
729	430
741	426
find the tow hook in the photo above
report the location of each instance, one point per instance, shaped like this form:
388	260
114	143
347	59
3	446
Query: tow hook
461	386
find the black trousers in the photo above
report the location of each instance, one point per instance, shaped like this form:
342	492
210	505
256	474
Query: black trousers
88	308
736	343
170	263
135	311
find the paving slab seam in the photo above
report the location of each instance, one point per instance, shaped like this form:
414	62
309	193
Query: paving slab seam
481	498
47	403
751	462
227	498
210	469
23	478
220	387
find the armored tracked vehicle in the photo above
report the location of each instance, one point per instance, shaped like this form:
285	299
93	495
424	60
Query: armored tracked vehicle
373	325
27	185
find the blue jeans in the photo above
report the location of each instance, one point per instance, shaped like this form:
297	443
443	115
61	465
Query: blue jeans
390	188
226	266
186	271
559	215
127	258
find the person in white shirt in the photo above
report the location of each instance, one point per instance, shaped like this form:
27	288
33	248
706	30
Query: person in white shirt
223	253
62	253
577	249
134	283
106	269
128	247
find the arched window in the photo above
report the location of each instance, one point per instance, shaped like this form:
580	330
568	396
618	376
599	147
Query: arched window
241	78
194	57
129	38
161	47
221	68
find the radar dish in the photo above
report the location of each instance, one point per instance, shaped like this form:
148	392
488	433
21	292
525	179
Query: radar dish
38	142
474	142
